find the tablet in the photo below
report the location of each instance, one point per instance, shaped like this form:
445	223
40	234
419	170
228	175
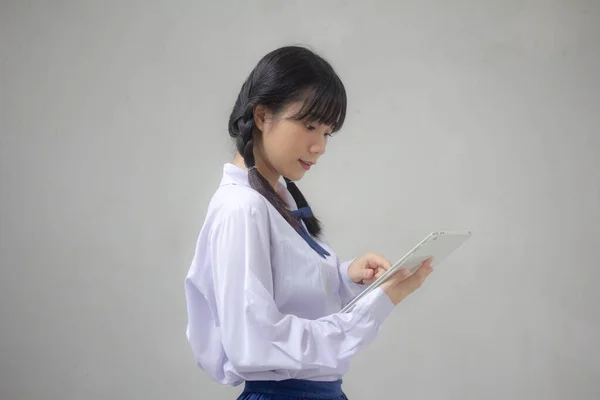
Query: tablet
438	245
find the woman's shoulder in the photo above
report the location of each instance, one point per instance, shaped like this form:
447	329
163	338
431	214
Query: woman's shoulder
237	200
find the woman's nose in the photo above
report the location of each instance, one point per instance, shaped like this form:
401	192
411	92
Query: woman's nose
319	146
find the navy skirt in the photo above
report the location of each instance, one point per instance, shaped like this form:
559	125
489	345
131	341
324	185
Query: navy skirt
290	389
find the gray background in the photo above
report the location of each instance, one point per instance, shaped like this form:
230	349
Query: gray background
478	115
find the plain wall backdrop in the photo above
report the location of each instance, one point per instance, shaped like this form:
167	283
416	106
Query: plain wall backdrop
480	115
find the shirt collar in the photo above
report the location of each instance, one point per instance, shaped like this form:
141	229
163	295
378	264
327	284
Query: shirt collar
234	175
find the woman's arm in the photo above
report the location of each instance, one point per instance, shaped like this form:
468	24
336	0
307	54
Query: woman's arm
256	335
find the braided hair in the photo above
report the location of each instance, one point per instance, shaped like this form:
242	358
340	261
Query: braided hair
283	76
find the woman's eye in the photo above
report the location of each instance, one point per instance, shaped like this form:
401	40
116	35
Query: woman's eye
310	127
329	135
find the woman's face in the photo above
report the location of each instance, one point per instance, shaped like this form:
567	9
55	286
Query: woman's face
287	146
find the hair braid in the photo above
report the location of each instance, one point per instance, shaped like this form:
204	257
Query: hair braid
241	129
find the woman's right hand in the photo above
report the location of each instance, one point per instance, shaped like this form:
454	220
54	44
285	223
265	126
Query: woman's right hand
402	283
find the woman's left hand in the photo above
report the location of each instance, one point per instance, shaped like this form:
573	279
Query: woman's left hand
367	268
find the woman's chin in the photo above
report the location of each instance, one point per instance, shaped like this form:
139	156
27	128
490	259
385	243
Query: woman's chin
295	175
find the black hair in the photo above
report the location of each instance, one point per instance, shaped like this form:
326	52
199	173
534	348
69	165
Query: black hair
283	76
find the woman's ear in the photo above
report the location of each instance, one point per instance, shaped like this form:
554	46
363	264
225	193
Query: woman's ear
260	117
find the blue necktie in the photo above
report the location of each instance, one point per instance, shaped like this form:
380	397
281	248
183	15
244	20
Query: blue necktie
306	212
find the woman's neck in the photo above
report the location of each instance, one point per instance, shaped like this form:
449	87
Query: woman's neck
269	173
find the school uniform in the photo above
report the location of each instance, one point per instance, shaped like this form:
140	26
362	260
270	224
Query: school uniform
264	301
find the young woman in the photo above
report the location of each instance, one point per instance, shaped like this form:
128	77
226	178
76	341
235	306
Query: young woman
265	290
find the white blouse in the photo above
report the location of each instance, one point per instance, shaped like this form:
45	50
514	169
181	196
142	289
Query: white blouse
262	304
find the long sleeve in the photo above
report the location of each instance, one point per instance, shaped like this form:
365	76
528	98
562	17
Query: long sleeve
256	336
